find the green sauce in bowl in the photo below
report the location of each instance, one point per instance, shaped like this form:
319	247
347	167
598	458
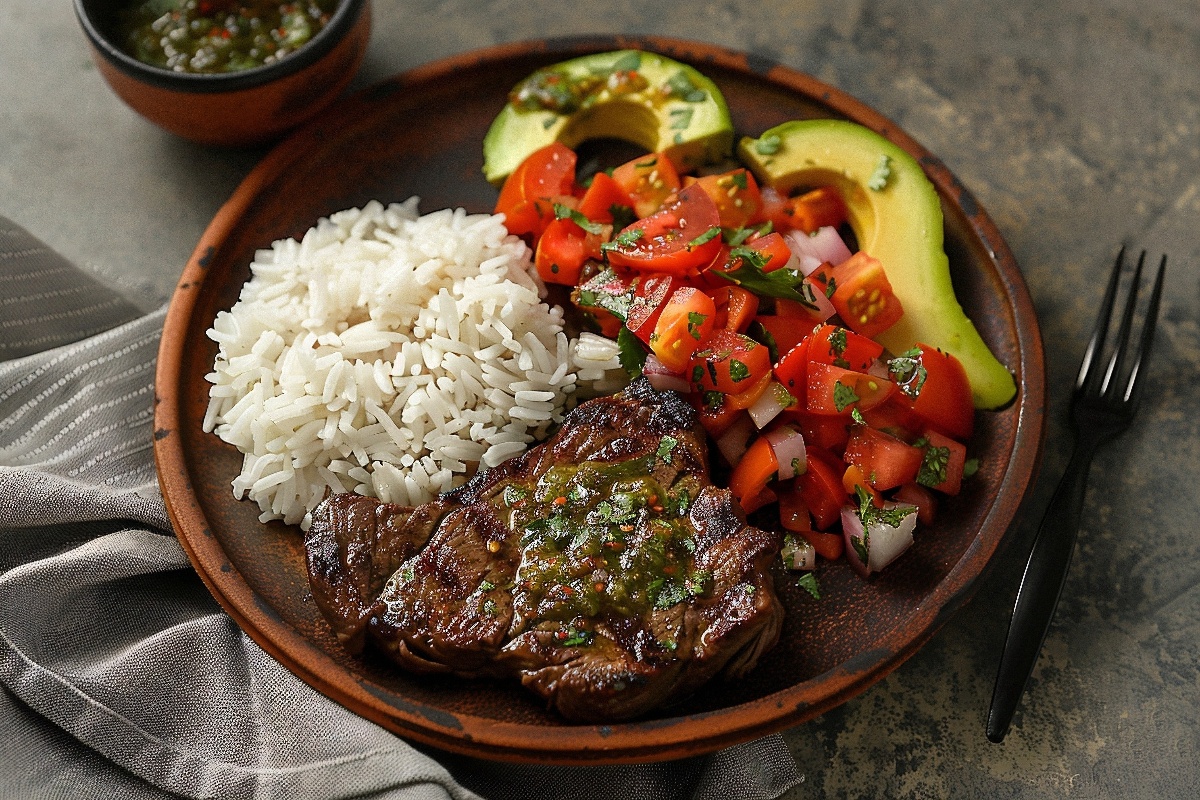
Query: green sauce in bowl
211	36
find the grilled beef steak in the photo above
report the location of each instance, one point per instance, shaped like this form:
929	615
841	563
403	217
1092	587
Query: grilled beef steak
602	567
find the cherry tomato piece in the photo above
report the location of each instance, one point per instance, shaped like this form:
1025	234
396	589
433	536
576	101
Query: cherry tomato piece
648	181
939	389
729	363
885	461
528	195
863	297
753	472
685	322
678	239
736	196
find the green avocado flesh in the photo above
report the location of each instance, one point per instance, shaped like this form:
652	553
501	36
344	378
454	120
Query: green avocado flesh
643	98
897	218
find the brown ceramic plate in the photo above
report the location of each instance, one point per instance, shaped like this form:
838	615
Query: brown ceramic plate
420	133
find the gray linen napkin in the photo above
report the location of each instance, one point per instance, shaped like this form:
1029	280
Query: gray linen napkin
122	677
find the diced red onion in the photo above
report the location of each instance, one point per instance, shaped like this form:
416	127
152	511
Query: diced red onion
884	543
734	442
825	244
787	443
825	308
797	554
662	378
774	400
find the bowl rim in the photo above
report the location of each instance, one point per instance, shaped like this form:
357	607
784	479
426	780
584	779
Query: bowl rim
89	14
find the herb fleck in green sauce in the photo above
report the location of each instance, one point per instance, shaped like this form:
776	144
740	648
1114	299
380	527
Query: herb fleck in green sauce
601	540
211	36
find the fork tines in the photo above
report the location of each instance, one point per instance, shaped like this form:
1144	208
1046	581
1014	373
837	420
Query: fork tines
1124	361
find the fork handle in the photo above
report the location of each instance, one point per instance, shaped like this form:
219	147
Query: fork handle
1037	597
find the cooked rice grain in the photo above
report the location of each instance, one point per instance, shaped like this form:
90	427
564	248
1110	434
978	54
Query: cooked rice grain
389	353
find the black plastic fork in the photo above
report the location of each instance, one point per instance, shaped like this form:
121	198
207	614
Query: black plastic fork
1106	397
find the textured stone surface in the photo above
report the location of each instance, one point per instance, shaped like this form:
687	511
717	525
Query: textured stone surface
1077	125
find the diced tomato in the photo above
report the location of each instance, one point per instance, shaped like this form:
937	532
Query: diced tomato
792	370
716	417
844	348
736	307
914	494
649	181
829	431
808	212
816	209
895	416
943	460
779	334
885	461
863	297
678	239
735	195
793	513
562	250
834	390
685	322
648	300
729	363
753	472
854	480
939	389
773	248
827	545
821	487
795	516
528	195
748	397
602	197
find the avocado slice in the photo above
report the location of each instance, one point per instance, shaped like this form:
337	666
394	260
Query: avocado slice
643	98
895	213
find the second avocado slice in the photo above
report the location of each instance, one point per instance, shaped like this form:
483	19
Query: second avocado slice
896	215
644	98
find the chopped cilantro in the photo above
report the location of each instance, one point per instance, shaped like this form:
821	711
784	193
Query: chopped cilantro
738	371
665	446
629	62
626	238
970	467
784	283
486	586
933	464
630	352
577	637
768	145
705	237
681	118
695	320
808	582
909	372
837	342
681	85
843	396
563	212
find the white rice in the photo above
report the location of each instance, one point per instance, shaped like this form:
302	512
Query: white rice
389	354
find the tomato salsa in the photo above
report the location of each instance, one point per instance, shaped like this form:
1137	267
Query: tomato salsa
755	307
212	36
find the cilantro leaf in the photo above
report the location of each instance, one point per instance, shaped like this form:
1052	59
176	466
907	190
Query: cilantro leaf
879	178
808	582
630	352
563	212
768	145
785	283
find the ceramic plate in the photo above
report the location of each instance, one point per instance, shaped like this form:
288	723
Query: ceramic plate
420	133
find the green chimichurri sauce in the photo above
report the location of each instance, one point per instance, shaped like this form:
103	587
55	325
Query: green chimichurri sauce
210	36
601	539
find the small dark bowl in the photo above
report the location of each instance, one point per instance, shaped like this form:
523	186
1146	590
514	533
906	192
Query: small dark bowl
233	108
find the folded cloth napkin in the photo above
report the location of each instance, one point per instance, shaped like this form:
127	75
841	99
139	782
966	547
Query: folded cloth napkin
122	677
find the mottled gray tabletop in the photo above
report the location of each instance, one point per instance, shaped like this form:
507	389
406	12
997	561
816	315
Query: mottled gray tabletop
1076	125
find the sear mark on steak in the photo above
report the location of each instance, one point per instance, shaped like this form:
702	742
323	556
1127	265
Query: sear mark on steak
602	568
